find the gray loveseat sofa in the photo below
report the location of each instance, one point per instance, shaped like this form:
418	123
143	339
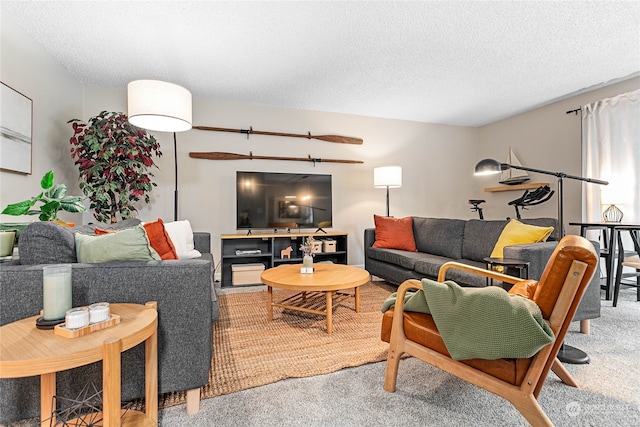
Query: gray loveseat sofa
440	240
187	308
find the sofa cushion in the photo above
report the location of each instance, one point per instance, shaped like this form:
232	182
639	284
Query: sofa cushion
480	237
439	236
46	242
404	259
516	233
394	233
125	245
429	265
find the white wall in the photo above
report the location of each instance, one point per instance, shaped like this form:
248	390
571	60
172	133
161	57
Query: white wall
432	157
545	138
57	97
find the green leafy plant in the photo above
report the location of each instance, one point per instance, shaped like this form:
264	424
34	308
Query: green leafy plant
54	199
114	158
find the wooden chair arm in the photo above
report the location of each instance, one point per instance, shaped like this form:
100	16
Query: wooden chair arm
452	265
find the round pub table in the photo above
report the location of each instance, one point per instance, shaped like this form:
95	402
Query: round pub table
28	351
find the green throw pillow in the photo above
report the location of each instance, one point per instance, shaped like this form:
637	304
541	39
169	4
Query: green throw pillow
124	245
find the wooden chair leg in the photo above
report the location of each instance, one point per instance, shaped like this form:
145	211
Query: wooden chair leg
391	372
193	401
563	374
529	407
585	326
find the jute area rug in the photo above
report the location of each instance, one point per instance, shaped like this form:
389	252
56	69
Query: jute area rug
250	351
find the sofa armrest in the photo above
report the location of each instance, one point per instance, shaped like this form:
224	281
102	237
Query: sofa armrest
537	254
202	241
369	237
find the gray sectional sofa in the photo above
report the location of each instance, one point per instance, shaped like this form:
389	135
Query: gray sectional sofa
440	240
187	308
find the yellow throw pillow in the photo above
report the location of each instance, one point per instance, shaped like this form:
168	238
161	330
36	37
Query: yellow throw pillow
515	233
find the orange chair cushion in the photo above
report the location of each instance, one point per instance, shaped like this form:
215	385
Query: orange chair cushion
421	328
159	239
526	288
394	233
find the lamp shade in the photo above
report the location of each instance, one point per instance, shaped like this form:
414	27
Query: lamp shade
489	167
160	106
387	176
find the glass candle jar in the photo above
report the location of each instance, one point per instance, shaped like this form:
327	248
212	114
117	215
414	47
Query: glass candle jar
56	291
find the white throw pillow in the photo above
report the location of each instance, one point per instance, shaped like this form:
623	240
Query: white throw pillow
181	235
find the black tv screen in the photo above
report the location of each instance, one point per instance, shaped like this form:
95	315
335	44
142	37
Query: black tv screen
269	200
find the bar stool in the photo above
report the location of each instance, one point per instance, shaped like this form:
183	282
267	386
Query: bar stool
632	261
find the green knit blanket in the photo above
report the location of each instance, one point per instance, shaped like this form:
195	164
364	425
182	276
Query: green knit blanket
484	323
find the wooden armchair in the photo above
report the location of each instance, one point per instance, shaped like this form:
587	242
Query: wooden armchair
558	294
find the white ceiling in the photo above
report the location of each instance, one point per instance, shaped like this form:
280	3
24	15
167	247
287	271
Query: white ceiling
463	62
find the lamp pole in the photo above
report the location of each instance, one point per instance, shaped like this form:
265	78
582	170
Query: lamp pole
175	193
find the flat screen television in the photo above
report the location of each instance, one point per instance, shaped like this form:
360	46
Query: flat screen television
270	200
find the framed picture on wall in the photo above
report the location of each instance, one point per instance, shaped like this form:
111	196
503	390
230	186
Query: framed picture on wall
16	123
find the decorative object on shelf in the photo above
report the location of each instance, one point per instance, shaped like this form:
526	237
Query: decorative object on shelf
16	123
53	198
387	177
328	138
286	253
56	293
7	239
164	107
113	158
513	176
308	254
212	155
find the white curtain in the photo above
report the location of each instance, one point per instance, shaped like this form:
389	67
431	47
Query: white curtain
611	152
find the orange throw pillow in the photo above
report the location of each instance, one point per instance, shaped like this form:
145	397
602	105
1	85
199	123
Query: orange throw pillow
394	233
159	239
100	231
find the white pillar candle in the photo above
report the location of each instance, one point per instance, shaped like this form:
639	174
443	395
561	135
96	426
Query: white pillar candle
7	238
56	291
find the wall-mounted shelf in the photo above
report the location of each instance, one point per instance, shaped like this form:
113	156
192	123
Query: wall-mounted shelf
516	187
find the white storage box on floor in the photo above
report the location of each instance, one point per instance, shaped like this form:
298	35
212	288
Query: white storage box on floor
246	274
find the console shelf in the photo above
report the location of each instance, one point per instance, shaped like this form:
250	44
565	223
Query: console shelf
270	246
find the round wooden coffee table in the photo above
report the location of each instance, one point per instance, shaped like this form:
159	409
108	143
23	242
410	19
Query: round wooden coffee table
329	279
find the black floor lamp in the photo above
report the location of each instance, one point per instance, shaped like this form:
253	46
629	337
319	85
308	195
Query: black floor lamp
163	107
567	353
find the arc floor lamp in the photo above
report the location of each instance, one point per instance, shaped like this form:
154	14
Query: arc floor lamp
567	353
164	107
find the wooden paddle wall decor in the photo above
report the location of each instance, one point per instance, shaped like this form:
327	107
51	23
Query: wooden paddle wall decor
213	155
328	138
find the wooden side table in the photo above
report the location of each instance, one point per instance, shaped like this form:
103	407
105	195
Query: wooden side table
27	351
521	266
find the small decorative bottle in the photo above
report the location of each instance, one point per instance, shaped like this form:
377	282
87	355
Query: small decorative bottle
307	259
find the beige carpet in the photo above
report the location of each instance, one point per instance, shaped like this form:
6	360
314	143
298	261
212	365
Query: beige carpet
250	351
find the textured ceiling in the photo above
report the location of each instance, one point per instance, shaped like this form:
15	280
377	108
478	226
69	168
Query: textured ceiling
464	63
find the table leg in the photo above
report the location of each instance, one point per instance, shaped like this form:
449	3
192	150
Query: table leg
329	312
613	240
269	303
357	299
47	391
151	374
111	387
